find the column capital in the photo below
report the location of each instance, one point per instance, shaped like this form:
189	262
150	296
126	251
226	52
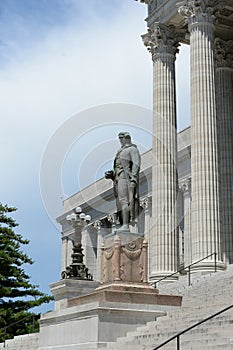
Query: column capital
112	218
224	53
185	185
199	11
162	40
144	1
146	202
98	225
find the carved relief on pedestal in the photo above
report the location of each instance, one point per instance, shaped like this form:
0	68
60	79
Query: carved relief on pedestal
126	262
224	53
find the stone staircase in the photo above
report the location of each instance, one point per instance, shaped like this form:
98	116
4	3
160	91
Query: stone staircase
207	295
22	342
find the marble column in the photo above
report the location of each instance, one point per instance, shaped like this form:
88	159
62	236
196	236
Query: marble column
185	186
102	227
224	86
67	247
204	158
89	244
145	203
162	42
64	262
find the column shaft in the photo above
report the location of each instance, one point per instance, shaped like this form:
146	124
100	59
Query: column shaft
204	159
224	84
164	167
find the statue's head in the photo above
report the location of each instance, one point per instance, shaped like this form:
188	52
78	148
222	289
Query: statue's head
124	135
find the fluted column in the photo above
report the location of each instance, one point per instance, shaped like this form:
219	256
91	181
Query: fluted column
185	186
98	225
224	85
65	253
204	159
89	243
146	205
162	43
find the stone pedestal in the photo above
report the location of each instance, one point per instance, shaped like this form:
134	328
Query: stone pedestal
89	315
124	258
93	324
93	320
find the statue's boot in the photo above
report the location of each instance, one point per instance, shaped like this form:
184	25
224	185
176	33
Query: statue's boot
125	219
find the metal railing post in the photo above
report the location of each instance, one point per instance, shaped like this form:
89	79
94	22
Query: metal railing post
189	275
4	337
215	262
178	342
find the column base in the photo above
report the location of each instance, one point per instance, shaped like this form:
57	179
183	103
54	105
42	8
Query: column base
207	266
163	277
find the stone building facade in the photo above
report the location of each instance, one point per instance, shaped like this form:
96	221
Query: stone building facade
185	216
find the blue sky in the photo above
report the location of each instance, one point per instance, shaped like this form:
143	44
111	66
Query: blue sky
59	58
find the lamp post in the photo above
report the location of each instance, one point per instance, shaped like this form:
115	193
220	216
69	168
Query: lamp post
77	268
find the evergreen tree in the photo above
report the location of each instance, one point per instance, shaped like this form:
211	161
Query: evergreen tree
17	294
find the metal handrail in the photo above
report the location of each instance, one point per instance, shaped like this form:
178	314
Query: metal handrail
12	324
177	336
189	269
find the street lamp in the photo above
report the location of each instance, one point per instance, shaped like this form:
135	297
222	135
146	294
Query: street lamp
77	268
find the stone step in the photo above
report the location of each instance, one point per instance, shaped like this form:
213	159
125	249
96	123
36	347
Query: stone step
207	295
154	330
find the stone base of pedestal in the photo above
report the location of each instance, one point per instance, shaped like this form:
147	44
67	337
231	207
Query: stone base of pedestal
92	321
129	294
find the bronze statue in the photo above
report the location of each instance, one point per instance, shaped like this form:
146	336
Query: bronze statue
125	175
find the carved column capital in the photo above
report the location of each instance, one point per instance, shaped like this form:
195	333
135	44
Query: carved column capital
145	203
112	219
161	40
144	1
196	11
97	225
185	185
224	53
